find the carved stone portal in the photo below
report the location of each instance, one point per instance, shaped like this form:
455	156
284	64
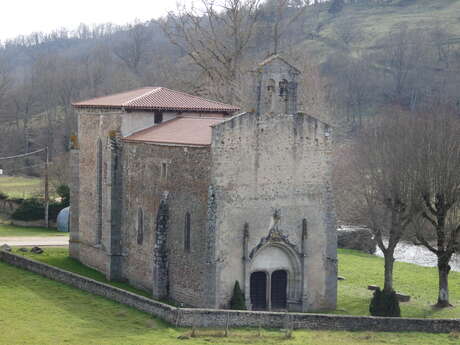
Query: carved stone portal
274	264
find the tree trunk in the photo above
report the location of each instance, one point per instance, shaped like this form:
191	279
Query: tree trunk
443	272
389	262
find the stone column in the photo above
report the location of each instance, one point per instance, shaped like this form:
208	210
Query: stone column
269	290
211	239
74	166
160	284
246	278
303	253
114	201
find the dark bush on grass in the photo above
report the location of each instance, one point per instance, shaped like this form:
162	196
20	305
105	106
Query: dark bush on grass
237	301
3	196
385	304
30	209
34	209
16	200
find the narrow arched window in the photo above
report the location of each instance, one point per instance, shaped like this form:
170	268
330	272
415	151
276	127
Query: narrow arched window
140	226
187	232
99	190
270	92
284	94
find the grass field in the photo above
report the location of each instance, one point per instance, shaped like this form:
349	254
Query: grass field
35	310
421	283
373	22
59	257
21	187
358	268
7	230
13	231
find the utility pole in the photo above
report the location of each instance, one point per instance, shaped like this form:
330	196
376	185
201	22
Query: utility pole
47	196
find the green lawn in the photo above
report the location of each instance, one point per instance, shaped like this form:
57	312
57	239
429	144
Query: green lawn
35	310
21	187
7	230
59	257
361	270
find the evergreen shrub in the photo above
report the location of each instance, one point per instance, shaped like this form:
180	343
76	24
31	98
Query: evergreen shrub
385	304
237	302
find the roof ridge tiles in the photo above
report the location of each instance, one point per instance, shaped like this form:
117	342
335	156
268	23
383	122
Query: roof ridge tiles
157	98
112	94
195	96
152	89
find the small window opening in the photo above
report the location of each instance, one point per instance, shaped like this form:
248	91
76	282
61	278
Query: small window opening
164	171
158	117
140	226
283	85
270	92
187	234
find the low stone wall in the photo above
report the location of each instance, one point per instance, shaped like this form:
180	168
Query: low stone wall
147	305
8	206
221	318
33	223
357	238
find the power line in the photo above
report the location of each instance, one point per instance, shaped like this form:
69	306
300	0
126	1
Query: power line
26	167
45	149
23	155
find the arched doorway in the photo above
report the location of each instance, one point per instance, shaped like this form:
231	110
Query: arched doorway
273	277
278	296
259	290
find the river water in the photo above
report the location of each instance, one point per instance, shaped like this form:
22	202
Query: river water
419	255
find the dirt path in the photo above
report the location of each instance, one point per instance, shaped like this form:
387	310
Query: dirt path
35	241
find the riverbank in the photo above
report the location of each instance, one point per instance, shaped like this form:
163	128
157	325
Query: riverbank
419	255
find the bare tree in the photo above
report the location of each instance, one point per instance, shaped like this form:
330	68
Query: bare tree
383	182
401	53
353	91
438	183
133	48
336	6
284	14
24	98
215	37
5	79
314	94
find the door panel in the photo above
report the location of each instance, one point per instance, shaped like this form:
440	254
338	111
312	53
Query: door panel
259	290
279	289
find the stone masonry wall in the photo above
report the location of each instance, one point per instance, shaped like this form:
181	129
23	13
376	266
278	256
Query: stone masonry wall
220	318
186	184
94	125
266	163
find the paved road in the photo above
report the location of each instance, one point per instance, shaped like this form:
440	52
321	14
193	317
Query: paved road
35	241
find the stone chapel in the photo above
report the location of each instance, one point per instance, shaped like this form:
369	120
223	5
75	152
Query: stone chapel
183	196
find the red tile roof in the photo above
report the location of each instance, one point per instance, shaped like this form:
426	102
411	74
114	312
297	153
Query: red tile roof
156	98
194	131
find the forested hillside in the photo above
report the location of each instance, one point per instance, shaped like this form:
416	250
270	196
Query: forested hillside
360	58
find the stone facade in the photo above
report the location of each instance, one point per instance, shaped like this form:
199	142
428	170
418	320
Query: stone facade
184	189
283	168
188	221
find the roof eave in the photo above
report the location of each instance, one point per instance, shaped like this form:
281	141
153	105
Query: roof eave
163	143
133	108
